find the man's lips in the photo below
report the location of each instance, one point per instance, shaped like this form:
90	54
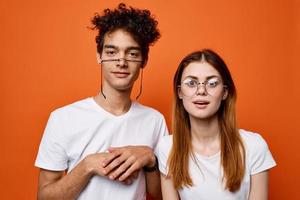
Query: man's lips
121	74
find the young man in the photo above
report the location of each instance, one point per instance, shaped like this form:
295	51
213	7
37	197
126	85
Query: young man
105	143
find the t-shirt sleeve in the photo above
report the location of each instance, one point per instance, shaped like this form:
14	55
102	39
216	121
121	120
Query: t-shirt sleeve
52	154
162	131
162	153
261	158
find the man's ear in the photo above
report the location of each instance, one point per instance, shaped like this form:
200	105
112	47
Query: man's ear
225	93
144	64
98	58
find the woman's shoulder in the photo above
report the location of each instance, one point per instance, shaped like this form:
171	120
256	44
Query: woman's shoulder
251	138
259	157
254	143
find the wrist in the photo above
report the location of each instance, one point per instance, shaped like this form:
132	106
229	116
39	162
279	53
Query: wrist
153	165
88	170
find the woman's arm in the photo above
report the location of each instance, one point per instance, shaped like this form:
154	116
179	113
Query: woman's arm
167	187
259	186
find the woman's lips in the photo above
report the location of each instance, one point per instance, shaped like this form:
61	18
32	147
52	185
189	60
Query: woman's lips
201	104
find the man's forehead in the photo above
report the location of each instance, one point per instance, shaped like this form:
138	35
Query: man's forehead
120	39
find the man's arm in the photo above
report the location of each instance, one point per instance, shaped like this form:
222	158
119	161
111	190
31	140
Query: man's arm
56	185
259	186
153	184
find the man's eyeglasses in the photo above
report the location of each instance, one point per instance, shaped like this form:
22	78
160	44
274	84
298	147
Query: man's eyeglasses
117	60
190	86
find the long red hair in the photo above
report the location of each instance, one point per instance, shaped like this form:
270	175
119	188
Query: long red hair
232	148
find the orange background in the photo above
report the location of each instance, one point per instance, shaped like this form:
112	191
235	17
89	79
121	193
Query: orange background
47	60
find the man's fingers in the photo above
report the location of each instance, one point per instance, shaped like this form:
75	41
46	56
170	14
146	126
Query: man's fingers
113	149
135	174
130	171
127	162
128	181
110	158
100	172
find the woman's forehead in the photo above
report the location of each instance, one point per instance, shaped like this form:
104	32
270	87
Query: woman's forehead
200	70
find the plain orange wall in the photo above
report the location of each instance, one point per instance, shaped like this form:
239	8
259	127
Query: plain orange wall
47	60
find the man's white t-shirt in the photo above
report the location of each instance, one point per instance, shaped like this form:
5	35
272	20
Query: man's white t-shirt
84	128
207	175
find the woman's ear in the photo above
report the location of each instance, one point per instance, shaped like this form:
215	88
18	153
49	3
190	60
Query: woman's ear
225	93
179	93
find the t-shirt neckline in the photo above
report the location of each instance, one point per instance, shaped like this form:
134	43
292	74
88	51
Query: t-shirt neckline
217	154
102	110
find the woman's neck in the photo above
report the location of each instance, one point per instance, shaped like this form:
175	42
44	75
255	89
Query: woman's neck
205	135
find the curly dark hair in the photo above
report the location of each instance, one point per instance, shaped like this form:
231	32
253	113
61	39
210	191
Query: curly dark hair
139	23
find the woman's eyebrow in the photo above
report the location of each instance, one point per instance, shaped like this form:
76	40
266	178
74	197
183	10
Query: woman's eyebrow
206	78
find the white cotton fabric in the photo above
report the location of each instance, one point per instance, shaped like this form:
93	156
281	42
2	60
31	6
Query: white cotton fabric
84	128
207	180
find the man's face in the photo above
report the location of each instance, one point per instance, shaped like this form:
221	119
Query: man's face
121	60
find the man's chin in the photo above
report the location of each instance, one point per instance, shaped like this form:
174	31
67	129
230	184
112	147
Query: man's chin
123	88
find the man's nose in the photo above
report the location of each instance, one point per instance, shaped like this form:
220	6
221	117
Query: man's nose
122	62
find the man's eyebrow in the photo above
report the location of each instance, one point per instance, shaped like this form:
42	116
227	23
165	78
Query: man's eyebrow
134	48
110	46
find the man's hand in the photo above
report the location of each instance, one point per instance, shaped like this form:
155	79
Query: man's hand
93	163
131	178
122	162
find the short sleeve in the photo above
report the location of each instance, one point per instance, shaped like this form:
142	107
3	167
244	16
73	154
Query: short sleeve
52	154
162	152
260	157
162	131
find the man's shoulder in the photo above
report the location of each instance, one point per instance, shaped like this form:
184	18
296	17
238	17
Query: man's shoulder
77	106
147	110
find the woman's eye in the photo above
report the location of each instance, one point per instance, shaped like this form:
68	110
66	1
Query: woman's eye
212	83
191	83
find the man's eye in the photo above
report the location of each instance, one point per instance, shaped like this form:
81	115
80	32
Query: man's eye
133	54
110	52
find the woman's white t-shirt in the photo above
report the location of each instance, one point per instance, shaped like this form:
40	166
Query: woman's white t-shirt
207	173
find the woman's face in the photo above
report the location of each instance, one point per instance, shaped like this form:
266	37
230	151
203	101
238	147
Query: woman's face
201	90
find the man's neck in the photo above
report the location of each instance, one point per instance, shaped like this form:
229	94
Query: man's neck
115	102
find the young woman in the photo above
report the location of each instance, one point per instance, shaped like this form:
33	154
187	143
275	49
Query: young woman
207	157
